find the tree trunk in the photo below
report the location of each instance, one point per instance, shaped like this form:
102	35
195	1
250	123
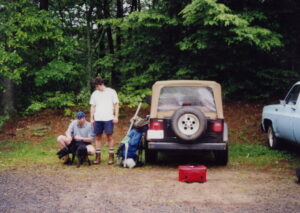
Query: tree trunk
100	44
139	7
108	30
154	2
7	99
110	40
88	44
134	6
44	4
120	14
114	77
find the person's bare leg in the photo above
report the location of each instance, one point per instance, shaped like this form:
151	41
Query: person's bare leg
98	144
63	142
91	150
111	142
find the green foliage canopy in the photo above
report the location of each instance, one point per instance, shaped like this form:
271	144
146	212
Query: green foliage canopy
246	46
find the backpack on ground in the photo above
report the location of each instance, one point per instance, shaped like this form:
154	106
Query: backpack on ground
129	151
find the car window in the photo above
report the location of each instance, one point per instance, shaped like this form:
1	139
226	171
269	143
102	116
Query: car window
293	95
171	98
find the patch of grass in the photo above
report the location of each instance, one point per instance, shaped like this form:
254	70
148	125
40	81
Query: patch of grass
26	153
256	156
14	153
261	157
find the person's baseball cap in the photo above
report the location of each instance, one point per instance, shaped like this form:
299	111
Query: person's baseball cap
80	115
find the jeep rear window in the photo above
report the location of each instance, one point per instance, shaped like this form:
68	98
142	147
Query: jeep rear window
171	98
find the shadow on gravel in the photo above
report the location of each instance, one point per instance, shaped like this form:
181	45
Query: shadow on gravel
290	147
174	159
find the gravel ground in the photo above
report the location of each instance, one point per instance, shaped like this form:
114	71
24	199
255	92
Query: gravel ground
105	188
102	188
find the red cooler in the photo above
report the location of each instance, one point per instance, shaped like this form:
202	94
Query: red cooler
192	173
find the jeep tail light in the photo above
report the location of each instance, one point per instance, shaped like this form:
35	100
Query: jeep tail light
217	126
156	130
156	125
187	104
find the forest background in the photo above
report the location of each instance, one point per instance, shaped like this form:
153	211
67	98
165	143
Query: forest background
51	50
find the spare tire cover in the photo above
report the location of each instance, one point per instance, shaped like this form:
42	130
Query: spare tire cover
188	123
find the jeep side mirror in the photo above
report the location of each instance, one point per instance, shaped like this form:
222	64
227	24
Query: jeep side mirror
147	99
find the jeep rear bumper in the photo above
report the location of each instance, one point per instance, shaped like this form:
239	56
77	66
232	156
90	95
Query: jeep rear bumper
180	146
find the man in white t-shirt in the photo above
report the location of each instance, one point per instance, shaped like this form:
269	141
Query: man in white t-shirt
104	114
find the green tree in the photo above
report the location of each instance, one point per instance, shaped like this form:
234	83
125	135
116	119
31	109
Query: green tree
190	40
33	51
50	50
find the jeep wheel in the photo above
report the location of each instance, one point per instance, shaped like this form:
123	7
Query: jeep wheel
272	139
221	157
188	123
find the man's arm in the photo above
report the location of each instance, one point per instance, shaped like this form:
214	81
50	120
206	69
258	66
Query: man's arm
70	130
87	140
93	109
116	108
69	136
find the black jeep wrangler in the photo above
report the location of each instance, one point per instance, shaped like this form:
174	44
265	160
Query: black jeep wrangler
187	115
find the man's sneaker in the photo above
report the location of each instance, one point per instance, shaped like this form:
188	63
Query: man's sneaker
68	162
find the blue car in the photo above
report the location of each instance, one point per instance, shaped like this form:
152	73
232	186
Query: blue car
282	121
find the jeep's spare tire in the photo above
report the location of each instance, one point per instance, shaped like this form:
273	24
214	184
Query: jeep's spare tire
188	123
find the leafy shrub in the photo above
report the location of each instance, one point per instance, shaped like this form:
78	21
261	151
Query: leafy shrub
67	112
36	106
51	100
55	71
132	97
83	98
60	100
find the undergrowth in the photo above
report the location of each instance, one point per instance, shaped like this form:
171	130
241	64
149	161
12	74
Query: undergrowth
260	156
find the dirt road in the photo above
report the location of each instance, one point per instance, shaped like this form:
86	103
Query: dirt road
104	188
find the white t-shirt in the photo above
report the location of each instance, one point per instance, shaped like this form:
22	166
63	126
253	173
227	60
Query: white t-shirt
104	102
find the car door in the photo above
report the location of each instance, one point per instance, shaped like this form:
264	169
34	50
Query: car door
286	117
296	121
